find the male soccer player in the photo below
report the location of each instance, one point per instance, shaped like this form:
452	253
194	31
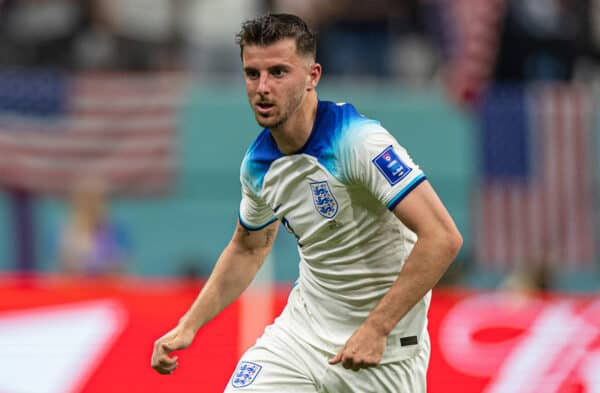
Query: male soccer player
373	236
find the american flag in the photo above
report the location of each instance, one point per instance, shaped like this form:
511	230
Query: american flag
537	191
471	32
59	130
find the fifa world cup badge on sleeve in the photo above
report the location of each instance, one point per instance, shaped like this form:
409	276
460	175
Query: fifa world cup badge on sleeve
325	202
245	374
391	166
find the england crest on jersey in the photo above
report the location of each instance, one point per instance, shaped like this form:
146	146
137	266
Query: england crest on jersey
245	374
325	202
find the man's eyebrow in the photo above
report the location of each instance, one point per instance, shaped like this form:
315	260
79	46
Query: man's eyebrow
278	70
279	66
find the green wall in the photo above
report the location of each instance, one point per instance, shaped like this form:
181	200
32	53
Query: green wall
197	219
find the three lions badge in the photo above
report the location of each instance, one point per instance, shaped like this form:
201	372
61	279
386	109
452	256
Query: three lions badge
323	198
245	374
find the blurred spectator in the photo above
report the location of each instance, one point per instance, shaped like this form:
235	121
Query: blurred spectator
145	30
533	278
541	40
466	33
38	32
588	67
593	27
90	34
356	38
95	46
208	29
91	243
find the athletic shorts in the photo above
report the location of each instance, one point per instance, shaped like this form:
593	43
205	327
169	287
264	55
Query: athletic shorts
281	362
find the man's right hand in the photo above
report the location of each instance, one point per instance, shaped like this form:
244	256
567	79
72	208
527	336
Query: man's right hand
234	271
176	339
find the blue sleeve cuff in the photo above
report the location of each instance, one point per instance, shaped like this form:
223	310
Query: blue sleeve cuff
255	228
405	191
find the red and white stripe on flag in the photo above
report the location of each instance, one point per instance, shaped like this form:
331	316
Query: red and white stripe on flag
117	128
476	27
551	217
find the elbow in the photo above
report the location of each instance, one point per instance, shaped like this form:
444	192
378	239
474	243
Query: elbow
443	242
453	242
447	241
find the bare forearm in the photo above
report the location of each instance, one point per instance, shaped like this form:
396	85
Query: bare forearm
424	267
232	274
438	242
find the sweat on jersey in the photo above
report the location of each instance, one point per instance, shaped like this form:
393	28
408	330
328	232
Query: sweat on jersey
336	196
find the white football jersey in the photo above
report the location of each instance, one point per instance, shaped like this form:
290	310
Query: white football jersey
336	196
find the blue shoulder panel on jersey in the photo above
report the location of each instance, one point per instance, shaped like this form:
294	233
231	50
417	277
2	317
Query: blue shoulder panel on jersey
258	159
331	124
405	191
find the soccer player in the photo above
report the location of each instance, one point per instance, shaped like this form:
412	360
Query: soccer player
373	236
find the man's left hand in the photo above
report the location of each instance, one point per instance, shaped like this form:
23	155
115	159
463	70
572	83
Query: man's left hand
364	349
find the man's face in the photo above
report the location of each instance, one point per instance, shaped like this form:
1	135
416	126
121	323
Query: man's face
277	79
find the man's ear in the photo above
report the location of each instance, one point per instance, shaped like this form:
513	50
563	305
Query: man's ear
314	76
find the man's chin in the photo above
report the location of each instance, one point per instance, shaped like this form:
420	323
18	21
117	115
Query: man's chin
266	122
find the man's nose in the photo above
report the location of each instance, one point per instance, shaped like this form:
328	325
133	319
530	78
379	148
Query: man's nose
263	84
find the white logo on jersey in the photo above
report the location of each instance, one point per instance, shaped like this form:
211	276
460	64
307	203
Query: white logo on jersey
325	202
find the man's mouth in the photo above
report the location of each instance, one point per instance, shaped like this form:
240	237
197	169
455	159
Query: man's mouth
264	107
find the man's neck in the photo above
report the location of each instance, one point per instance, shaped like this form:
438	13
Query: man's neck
294	134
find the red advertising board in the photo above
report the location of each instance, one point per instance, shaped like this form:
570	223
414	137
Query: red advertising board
90	336
498	342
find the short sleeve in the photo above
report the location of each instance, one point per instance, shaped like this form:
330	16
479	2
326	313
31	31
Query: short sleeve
254	213
372	157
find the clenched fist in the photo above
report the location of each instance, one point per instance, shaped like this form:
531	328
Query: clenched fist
176	339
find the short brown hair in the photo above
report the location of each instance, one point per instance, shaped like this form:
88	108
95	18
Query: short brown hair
270	28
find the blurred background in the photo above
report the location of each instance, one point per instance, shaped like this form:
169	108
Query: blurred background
122	128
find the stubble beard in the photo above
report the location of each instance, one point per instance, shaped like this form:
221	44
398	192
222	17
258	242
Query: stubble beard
280	119
272	121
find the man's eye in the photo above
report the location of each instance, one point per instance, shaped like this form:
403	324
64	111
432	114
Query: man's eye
252	74
278	72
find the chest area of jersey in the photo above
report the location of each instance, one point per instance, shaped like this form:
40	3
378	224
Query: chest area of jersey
304	193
